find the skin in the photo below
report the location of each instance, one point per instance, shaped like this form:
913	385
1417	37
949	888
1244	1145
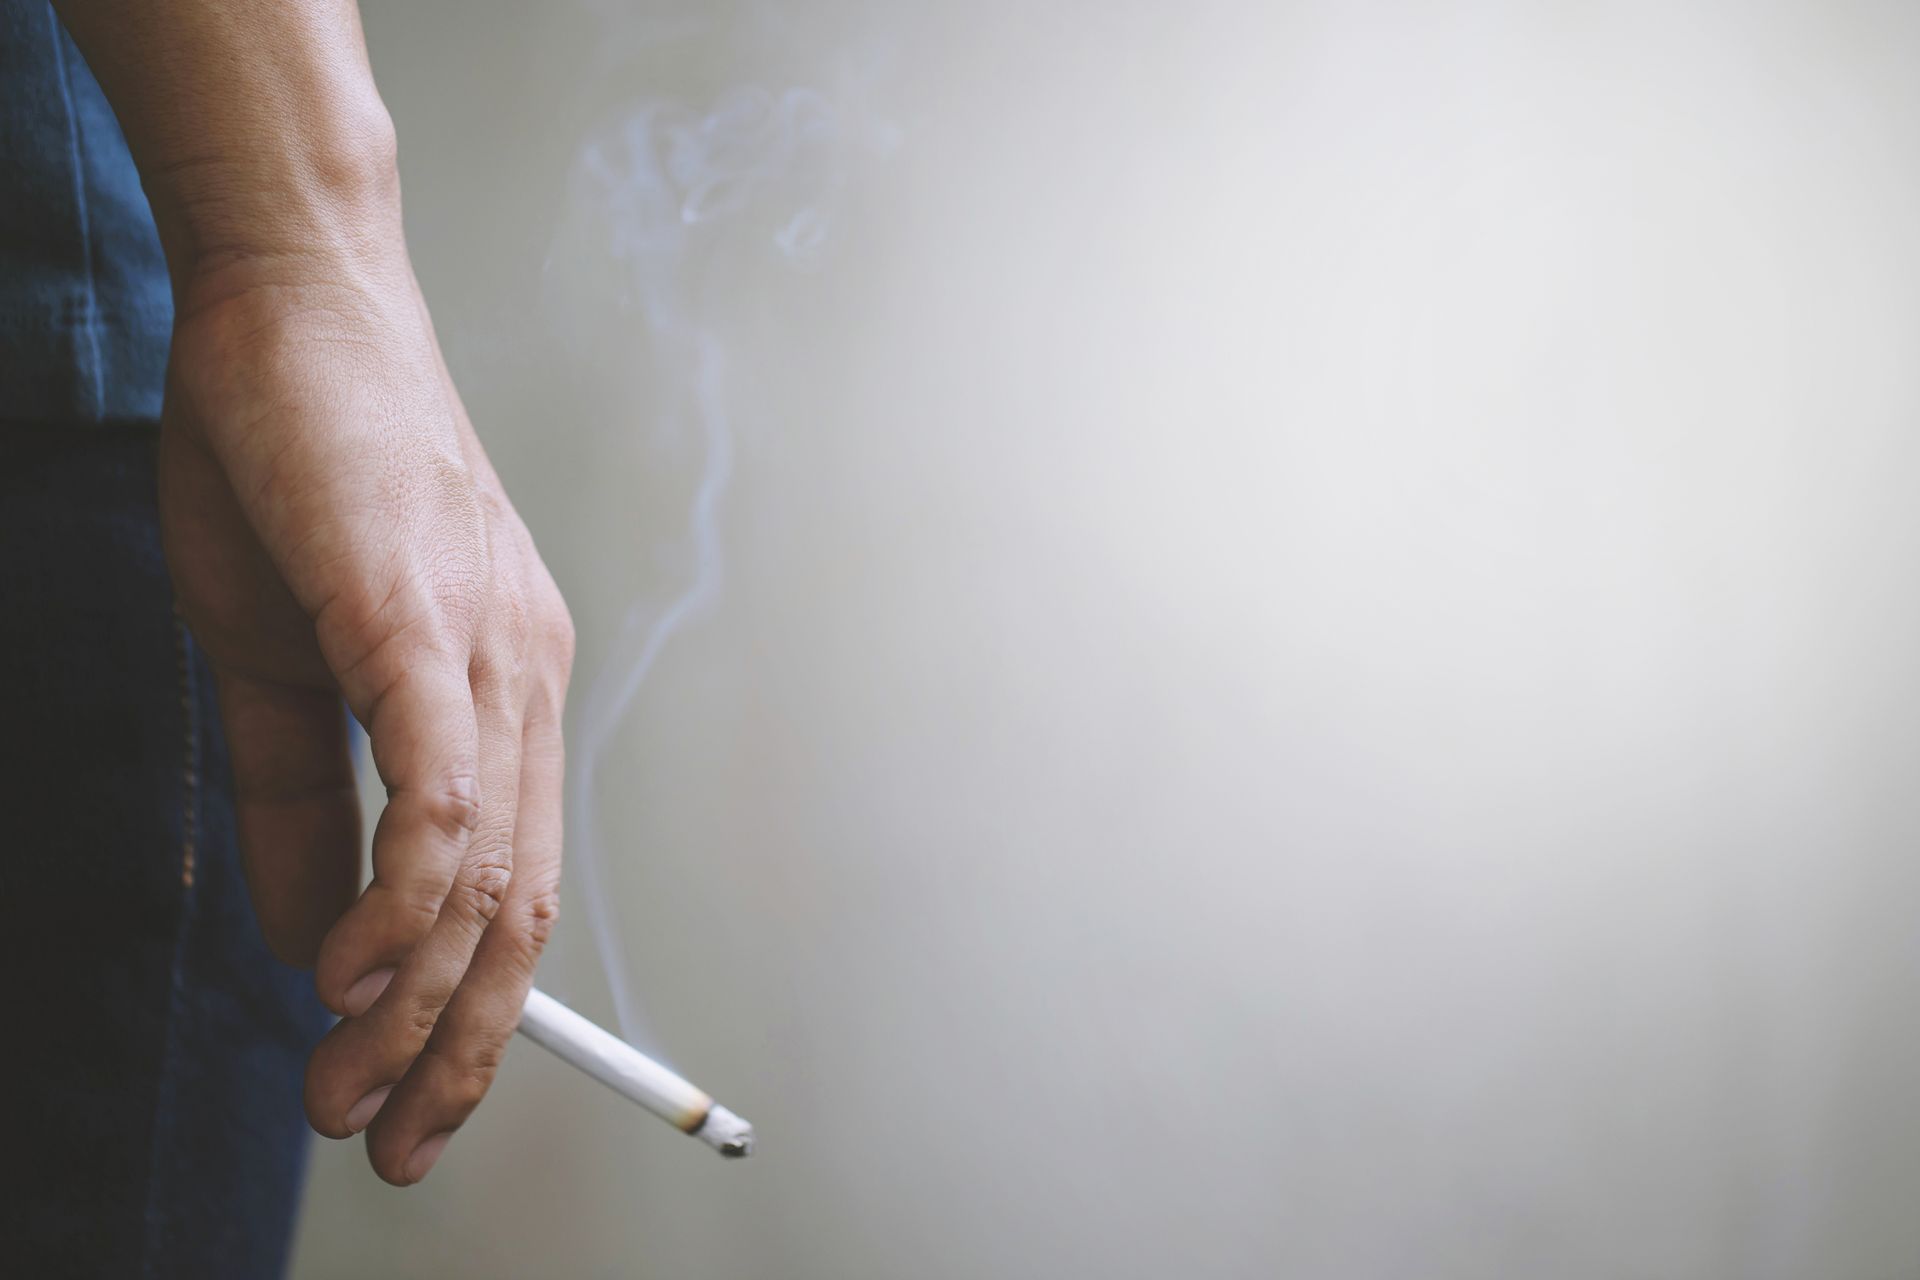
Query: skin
334	530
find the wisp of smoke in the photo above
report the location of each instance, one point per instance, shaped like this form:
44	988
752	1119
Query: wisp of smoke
662	193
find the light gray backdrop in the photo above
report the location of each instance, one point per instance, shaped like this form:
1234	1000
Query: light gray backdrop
1312	666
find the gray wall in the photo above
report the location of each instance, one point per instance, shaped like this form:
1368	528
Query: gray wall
1314	670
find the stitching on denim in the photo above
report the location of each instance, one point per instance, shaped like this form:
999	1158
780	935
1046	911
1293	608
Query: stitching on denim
64	77
152	1249
190	772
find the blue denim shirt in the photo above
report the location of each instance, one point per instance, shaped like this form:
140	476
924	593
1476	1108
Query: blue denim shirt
85	308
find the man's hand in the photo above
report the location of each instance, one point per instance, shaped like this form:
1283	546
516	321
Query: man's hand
334	529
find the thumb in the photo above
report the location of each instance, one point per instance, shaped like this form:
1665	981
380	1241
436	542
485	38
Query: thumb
296	811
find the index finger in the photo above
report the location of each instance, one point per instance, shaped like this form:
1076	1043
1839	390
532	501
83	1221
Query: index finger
425	741
457	1066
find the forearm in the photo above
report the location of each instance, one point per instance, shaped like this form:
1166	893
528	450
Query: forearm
260	138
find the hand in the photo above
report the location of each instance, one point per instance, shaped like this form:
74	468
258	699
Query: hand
334	529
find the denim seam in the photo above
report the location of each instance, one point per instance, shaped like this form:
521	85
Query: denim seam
80	211
153	1245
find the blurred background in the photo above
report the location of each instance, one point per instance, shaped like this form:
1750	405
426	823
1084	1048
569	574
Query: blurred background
1216	640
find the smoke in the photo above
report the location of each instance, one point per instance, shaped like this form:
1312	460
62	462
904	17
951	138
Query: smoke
665	195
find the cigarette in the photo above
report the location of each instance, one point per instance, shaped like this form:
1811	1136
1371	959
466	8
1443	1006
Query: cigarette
625	1070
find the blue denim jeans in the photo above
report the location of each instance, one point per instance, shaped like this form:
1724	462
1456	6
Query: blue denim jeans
154	1047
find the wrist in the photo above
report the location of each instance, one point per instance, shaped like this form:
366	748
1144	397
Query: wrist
256	127
276	213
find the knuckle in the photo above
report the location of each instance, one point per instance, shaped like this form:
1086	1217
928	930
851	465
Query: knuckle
482	887
533	927
481	1062
418	908
463	1074
543	914
421	1020
454	809
464	1091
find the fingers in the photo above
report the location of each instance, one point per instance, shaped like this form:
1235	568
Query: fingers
456	1067
328	428
426	747
406	946
295	808
430	966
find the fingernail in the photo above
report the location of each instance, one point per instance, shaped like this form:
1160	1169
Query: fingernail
362	994
424	1155
367	1108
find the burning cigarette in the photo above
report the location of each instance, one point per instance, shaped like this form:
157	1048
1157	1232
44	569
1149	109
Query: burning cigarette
624	1069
